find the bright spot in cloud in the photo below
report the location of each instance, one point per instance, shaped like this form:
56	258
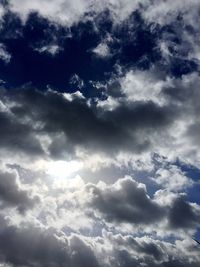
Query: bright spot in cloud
62	169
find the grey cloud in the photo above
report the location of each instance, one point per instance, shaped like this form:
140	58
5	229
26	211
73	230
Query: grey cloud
184	93
36	247
125	259
183	215
178	263
148	246
130	251
151	249
125	201
126	128
67	13
32	247
82	254
12	195
17	136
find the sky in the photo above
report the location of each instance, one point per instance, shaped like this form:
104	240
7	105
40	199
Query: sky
99	138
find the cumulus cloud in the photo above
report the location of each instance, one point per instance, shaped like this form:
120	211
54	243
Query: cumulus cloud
92	91
11	194
183	214
150	252
17	135
172	178
37	246
125	201
132	125
121	128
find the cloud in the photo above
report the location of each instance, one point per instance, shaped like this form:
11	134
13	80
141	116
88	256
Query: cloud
4	55
138	40
36	246
12	195
17	135
92	91
49	49
66	12
129	250
172	178
169	10
32	247
125	201
70	122
82	254
123	128
102	50
183	214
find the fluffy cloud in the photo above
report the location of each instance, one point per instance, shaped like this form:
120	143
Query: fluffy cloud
150	252
172	178
133	125
64	11
35	246
124	128
90	92
125	201
11	194
67	12
17	135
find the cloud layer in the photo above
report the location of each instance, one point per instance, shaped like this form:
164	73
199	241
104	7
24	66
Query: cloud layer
99	139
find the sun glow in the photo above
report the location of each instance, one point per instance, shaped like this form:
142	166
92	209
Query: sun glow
63	169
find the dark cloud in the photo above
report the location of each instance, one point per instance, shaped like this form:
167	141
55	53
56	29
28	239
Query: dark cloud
125	201
183	215
37	247
82	254
129	251
151	249
18	136
178	263
32	247
89	127
148	247
12	195
152	44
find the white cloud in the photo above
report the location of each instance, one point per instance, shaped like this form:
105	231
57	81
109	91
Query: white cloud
102	50
69	12
62	156
172	178
51	49
4	55
144	86
61	11
165	12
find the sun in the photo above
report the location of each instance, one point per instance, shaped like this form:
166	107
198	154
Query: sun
63	169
